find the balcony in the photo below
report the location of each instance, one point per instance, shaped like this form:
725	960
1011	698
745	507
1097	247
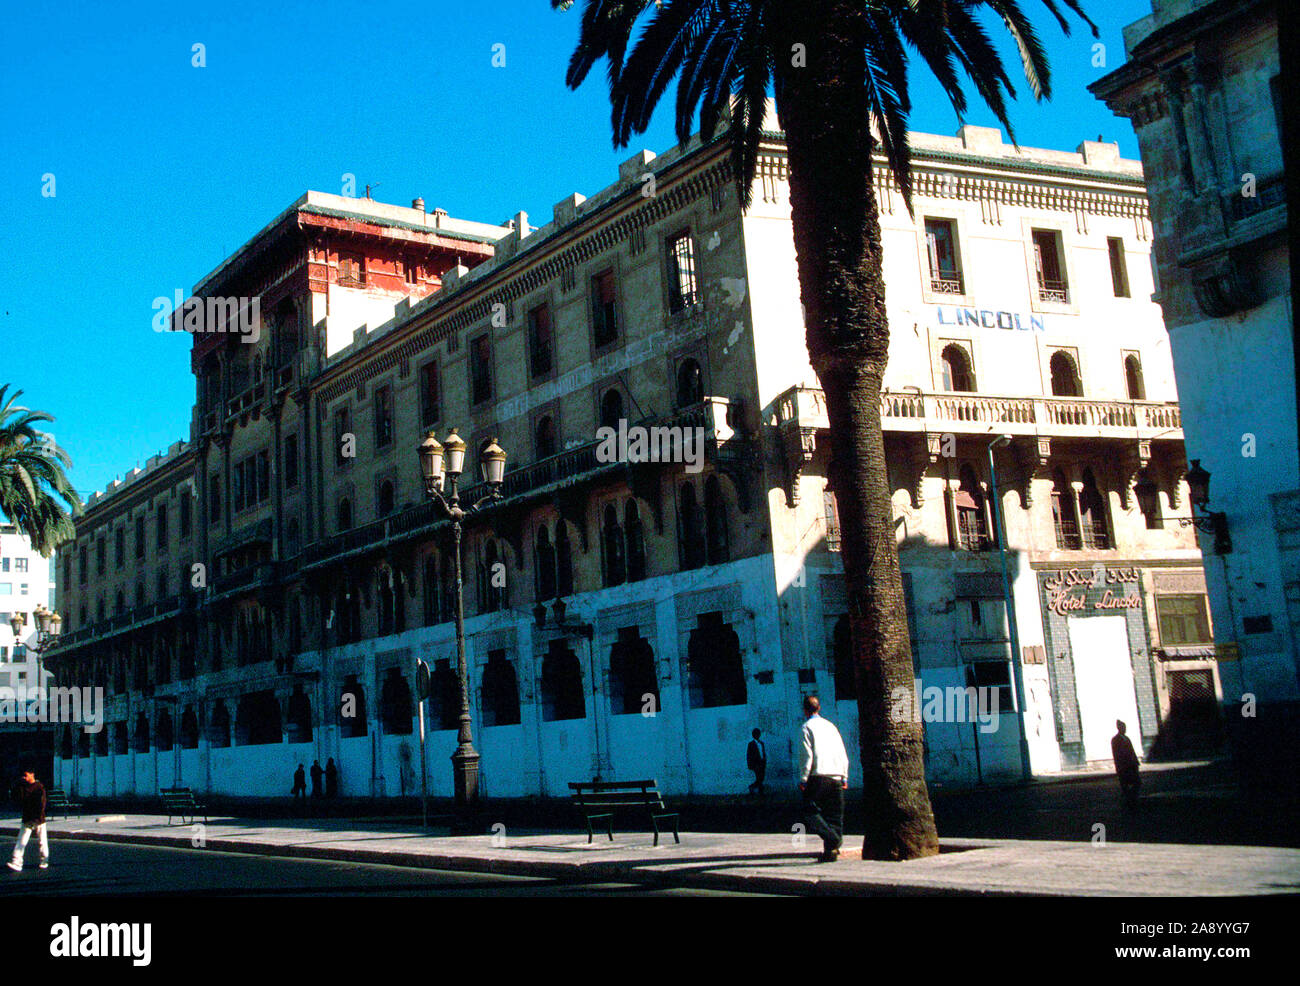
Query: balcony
947	282
1053	292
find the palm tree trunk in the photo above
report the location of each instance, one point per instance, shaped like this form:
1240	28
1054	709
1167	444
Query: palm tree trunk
823	110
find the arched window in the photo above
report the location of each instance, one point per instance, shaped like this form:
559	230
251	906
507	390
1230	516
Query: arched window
717	672
690	383
142	733
189	729
387	601
1133	378
101	743
386	497
500	691
635	536
1067	529
119	604
545	565
396	705
611	408
972	531
352	709
444	696
544	437
1065	375
432	594
65	742
563	560
842	653
492	579
1092	515
715	522
957	373
633	684
257	720
166	739
611	536
345	514
562	692
121	741
690	530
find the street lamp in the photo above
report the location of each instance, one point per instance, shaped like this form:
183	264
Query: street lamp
49	625
1009	601
1210	521
441	465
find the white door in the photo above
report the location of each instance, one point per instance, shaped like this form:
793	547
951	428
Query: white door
1103	682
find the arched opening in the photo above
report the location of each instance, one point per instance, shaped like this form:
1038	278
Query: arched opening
387	601
1137	390
611	535
121	741
298	724
1092	515
1065	375
957	372
101	743
444	696
611	408
968	502
219	726
634	534
1067	529
717	673
492	583
633	684
396	705
189	729
500	691
345	514
544	437
166	735
690	383
352	709
562	692
690	522
715	522
386	498
141	733
257	720
545	565
563	560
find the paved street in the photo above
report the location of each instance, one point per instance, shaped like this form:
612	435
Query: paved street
118	870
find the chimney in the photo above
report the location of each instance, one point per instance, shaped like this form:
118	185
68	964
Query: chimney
417	203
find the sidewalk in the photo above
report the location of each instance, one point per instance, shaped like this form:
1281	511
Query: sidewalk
738	862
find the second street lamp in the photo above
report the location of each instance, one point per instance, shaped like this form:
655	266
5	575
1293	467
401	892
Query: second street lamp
441	465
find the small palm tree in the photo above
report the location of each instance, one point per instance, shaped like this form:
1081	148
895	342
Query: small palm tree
838	69
32	477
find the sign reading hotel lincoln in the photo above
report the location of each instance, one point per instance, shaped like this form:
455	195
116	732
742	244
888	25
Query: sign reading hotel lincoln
1067	590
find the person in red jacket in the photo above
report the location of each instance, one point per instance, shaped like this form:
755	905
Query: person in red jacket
30	793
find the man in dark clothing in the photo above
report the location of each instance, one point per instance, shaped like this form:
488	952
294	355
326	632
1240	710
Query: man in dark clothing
316	775
1126	766
331	778
299	783
30	793
756	760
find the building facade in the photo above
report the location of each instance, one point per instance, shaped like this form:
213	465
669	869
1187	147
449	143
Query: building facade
636	602
1203	89
26	582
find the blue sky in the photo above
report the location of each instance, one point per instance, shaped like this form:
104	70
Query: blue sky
161	169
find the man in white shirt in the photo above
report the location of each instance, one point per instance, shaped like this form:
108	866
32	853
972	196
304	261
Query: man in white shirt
823	778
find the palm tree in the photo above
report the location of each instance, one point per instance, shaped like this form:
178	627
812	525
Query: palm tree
837	69
32	477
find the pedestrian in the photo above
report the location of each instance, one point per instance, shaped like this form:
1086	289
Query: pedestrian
30	793
299	783
823	778
331	779
1126	766
316	774
756	760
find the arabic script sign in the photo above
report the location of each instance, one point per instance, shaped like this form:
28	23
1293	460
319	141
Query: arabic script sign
1068	590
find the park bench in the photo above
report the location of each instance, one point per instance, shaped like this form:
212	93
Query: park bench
179	802
57	803
600	800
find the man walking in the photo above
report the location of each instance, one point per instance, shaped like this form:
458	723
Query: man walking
30	793
1126	765
756	760
316	774
823	777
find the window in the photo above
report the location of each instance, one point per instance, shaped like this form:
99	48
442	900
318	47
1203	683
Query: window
682	290
263	476
214	499
1067	530
342	434
691	529
690	383
160	522
1118	268
345	514
429	394
83	569
492	574
1049	266
383	416
385	499
444	696
1183	620
4	564
715	522
633	684
611	534
352	271
290	462
544	437
1133	378
957	373
545	560
480	370
540	342
20	564
611	408
941	248
238	487
396	707
119	547
634	533
832	513
988	677
562	691
968	504
500	691
1065	375
412	272
604	309
184	506
1092	515
717	672
101	559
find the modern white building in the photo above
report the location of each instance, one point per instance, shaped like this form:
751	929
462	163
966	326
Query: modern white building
701	598
26	582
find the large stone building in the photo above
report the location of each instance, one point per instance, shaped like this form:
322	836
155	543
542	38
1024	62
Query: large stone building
1203	89
701	595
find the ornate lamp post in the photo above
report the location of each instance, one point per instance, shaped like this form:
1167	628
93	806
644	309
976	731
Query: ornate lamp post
1213	522
441	463
49	625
